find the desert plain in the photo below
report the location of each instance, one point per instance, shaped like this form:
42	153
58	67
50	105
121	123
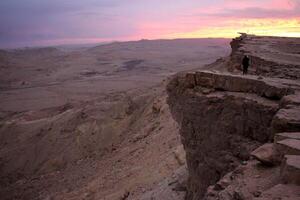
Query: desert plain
92	122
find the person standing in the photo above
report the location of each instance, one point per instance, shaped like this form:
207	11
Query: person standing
245	62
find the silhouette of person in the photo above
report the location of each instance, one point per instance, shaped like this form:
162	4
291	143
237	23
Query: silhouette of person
245	63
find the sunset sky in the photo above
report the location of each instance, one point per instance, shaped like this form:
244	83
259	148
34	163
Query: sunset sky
52	22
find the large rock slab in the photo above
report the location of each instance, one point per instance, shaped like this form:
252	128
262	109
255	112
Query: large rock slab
288	147
237	83
287	120
290	172
287	135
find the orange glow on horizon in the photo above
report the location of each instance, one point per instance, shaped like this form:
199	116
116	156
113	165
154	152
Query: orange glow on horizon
230	29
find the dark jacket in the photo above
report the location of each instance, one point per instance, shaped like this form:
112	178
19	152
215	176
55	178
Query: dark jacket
246	61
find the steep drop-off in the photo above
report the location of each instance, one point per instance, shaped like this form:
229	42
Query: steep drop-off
223	118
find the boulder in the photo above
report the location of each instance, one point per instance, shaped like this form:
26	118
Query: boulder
267	154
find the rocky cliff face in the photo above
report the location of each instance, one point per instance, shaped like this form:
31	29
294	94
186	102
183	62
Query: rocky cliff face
223	118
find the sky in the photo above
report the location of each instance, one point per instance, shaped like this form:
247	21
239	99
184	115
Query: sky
56	22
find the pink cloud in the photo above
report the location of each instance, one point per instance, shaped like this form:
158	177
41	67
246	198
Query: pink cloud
282	4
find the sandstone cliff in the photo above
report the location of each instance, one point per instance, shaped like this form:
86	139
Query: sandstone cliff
224	117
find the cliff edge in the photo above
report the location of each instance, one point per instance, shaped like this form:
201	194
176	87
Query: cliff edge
240	133
269	56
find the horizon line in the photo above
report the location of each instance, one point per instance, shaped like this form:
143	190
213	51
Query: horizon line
87	44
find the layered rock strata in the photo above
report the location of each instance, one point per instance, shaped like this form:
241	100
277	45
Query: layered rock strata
269	56
223	118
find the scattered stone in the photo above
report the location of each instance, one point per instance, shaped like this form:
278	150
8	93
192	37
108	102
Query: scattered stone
172	182
238	195
21	182
179	155
210	192
156	107
256	193
206	90
222	184
281	192
244	162
78	162
179	188
125	195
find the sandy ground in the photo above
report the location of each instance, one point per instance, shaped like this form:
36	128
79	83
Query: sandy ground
93	123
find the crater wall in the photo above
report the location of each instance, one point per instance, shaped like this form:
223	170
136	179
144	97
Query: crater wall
223	118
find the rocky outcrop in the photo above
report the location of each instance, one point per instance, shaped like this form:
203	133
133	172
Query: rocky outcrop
269	56
223	118
241	133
